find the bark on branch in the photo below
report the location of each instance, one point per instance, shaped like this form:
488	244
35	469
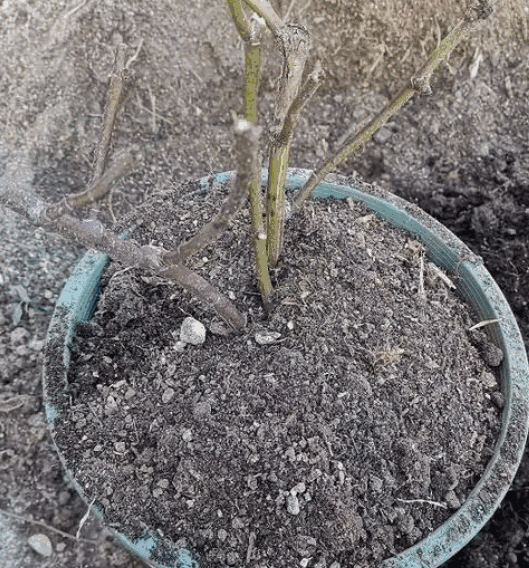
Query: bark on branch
17	193
264	10
294	44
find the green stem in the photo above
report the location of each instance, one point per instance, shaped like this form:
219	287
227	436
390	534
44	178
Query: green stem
277	173
418	84
246	149
247	152
239	18
252	71
250	110
278	165
294	43
259	244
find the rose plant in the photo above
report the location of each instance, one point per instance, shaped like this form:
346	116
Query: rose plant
268	219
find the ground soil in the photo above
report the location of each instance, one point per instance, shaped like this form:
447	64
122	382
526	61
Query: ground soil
461	154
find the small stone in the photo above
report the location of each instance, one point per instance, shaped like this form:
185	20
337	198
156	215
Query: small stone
179	346
120	447
489	380
298	488
498	399
167	395
18	334
493	355
237	523
187	436
376	484
305	545
267	337
192	331
451	500
64	497
293	504
219	328
252	482
41	544
130	393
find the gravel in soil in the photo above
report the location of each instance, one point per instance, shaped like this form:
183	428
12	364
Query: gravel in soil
344	427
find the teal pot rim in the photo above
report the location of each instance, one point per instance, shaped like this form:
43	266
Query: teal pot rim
77	301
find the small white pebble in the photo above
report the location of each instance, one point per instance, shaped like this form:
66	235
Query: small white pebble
298	488
41	544
192	331
293	504
489	380
167	395
267	337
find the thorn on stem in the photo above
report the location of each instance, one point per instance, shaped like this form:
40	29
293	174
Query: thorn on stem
422	85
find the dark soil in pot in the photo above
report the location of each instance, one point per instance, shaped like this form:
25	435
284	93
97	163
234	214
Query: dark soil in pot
344	428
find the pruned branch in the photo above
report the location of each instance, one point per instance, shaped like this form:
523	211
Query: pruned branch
211	232
122	165
294	44
418	84
116	92
278	164
17	194
264	10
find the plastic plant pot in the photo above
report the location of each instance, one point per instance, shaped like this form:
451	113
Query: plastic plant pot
77	300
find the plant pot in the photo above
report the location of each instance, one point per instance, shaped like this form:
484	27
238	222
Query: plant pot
79	295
